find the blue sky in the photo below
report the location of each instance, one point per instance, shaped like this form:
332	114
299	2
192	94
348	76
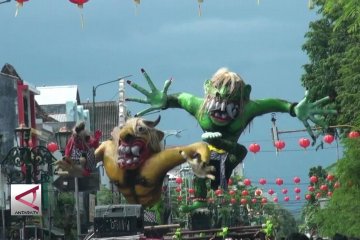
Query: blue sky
47	46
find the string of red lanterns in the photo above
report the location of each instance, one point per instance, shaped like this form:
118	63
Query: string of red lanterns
258	193
303	142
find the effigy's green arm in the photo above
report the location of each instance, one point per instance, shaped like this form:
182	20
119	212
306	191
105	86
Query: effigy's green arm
262	106
186	101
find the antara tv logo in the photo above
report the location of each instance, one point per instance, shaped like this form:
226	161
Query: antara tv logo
25	199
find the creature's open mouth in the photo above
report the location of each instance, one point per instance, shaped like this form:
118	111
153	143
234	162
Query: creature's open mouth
221	110
220	116
133	154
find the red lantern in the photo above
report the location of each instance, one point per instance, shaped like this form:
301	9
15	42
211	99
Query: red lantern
231	192
179	180
253	200
271	192
254	147
191	191
244	193
354	134
243	201
258	192
296	180
308	196
279	181
297	197
297	190
311	188
263	200
52	147
247	182
80	3
328	138
286	199
218	192
232	200
324	187
336	185
279	144
313	179
276	199
262	181
284	191
21	1
304	142
330	177
178	189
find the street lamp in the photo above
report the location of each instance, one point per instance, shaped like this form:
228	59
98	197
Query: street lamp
37	162
22	134
169	133
94	94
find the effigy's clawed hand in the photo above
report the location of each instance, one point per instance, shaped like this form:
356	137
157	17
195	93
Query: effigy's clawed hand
156	98
306	110
200	168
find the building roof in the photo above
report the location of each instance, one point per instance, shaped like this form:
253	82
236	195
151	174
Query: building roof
50	95
60	117
9	70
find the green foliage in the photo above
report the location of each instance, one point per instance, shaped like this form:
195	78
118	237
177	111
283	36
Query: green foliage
348	168
333	47
283	221
343	209
104	196
345	204
342	213
64	214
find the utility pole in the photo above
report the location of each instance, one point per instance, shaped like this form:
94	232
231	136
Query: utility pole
93	99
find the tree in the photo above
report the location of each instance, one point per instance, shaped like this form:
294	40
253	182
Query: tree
342	214
322	188
282	219
333	47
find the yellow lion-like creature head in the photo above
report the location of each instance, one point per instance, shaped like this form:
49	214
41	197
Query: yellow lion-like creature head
138	139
